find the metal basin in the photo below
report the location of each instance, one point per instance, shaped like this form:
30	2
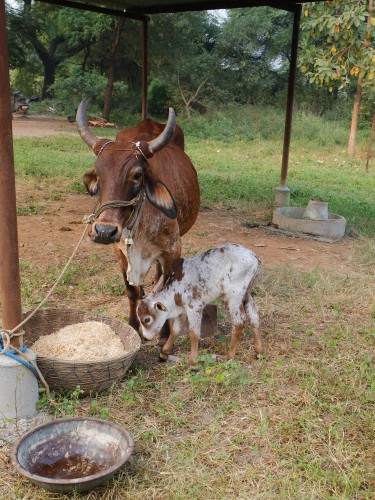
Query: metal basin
72	453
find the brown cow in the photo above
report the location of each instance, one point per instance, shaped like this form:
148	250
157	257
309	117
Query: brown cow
148	191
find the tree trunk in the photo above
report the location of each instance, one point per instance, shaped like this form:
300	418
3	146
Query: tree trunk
370	143
111	69
358	95
187	107
49	78
353	128
188	102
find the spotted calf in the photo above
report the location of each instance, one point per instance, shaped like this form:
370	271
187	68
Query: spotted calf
228	271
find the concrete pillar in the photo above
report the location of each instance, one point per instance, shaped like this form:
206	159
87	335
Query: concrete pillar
18	388
282	196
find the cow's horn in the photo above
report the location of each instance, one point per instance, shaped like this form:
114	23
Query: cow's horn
83	129
163	139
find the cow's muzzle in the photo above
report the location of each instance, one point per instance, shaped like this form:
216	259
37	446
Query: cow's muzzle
106	233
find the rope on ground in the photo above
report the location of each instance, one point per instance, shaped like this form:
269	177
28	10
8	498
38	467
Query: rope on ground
51	290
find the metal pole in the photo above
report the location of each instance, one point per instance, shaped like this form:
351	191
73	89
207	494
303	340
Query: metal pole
290	99
144	68
10	289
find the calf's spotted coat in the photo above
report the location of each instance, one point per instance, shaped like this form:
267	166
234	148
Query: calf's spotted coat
227	272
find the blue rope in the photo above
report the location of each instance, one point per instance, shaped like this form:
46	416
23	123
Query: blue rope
12	354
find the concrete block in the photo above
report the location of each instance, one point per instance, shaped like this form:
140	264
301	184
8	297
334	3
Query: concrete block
282	196
18	389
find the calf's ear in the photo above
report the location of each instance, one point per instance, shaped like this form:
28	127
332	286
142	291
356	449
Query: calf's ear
160	307
159	195
90	180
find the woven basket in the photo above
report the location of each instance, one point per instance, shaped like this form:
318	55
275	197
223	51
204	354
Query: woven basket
89	375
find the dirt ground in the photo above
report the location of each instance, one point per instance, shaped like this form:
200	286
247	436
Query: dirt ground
53	237
41	126
50	238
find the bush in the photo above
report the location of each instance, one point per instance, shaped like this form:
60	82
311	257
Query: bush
223	125
27	82
70	91
158	98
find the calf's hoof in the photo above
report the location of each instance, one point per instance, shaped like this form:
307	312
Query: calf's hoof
194	369
163	357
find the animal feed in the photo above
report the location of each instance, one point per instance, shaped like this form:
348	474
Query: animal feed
89	341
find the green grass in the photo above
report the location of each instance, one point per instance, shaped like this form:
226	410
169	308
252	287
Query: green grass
244	175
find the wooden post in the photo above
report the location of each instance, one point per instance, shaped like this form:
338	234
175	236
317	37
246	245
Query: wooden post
145	68
290	98
10	288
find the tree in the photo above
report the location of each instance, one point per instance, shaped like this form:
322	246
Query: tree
111	68
183	56
256	52
18	50
55	34
337	48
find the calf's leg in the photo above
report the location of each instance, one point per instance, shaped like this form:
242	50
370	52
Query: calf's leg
253	315
194	342
163	335
163	355
163	271
236	334
194	318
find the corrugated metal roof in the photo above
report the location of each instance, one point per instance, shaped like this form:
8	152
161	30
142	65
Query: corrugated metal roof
135	8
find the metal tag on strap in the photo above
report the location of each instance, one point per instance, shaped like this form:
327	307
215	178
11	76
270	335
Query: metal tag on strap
126	237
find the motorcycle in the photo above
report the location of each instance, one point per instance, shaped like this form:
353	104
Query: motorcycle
21	104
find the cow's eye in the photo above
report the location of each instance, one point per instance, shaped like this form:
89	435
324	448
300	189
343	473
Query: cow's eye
147	321
138	175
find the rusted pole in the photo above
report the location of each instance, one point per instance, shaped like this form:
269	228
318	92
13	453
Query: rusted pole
10	288
145	68
370	143
290	98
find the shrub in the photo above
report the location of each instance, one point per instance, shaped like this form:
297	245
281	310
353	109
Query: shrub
71	90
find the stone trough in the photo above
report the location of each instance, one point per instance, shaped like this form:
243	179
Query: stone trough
315	220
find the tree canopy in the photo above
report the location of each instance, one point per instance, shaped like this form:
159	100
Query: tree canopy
338	49
338	43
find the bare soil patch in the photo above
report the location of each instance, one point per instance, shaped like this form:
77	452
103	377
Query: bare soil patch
51	238
41	126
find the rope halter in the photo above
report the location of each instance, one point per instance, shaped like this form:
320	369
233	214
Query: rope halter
91	218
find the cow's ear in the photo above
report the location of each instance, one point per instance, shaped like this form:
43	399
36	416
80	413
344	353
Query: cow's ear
90	180
159	195
160	307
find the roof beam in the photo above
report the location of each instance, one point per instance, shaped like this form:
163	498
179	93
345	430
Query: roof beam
139	12
212	5
95	8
